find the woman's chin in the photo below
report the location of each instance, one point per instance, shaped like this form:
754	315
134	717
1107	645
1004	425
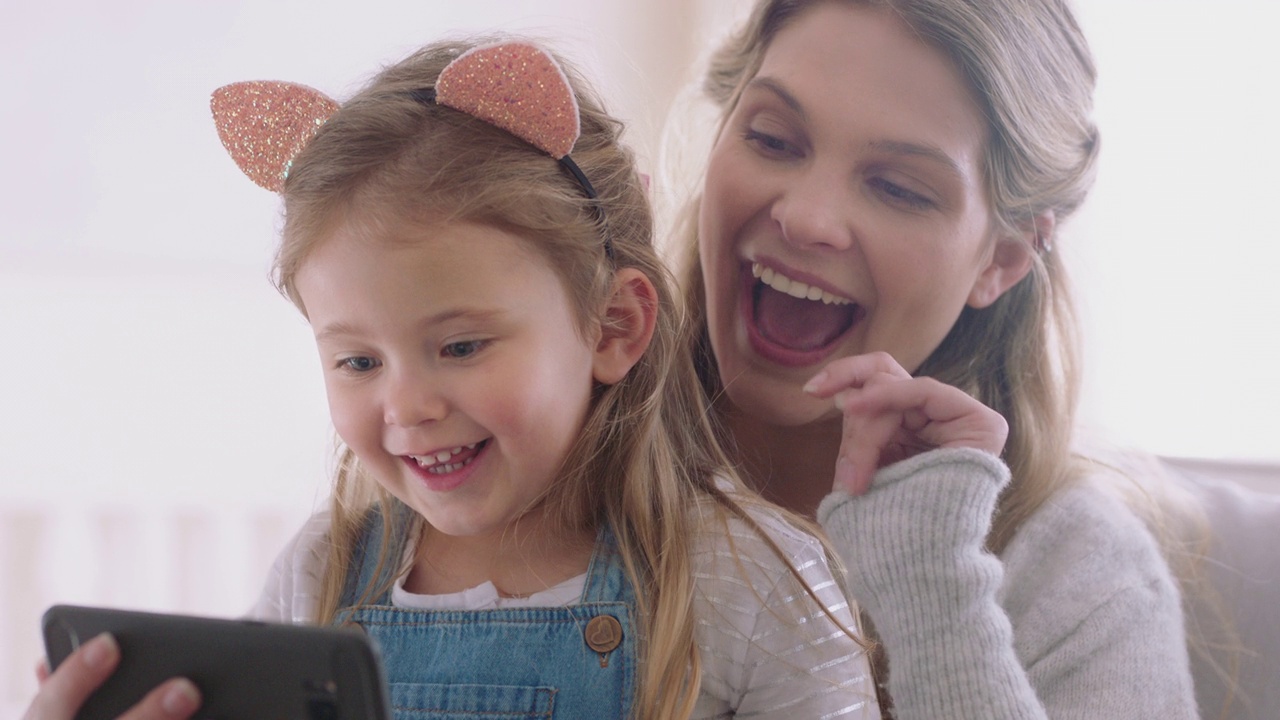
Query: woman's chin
779	404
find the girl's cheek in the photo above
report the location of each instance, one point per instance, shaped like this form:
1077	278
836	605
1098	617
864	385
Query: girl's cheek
347	420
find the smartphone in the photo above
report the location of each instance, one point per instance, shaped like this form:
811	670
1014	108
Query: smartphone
246	670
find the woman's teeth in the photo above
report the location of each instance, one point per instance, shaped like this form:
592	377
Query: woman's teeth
795	288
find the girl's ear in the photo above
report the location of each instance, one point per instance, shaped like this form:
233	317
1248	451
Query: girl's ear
1011	260
627	326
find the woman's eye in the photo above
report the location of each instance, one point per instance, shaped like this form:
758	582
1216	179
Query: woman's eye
462	349
900	195
770	144
359	364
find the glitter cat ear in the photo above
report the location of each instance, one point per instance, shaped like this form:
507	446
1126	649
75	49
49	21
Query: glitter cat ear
518	87
264	124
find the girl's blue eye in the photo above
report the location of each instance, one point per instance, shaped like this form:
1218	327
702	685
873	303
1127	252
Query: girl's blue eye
462	349
359	364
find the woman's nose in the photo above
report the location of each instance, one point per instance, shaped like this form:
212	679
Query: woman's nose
411	399
813	211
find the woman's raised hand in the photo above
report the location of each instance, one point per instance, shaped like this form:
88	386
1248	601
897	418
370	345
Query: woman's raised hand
890	416
63	691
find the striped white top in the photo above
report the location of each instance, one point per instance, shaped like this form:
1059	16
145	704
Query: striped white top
767	649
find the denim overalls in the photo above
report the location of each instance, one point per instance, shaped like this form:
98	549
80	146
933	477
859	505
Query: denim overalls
561	663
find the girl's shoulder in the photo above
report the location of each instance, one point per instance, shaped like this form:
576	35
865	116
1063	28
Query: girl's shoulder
292	589
774	629
763	543
760	563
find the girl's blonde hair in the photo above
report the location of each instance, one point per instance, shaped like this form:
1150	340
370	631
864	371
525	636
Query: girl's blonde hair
646	455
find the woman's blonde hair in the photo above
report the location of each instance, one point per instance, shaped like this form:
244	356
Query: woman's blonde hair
1030	71
647	454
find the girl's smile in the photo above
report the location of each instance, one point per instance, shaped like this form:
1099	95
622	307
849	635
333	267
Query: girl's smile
447	469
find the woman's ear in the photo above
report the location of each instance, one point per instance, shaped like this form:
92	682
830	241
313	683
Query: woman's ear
627	325
1011	260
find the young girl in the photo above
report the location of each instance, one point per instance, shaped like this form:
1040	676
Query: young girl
530	514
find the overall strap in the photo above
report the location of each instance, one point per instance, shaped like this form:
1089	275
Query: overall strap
362	573
606	575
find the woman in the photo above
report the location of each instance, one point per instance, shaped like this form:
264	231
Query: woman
876	290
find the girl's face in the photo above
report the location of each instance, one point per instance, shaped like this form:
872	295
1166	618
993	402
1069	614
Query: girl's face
844	209
454	367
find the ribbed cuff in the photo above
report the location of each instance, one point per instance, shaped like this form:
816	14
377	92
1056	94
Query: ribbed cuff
932	501
913	547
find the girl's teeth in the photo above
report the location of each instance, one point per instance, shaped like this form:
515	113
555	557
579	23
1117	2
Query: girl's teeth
434	462
794	288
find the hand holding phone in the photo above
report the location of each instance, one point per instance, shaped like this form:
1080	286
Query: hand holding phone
244	669
62	693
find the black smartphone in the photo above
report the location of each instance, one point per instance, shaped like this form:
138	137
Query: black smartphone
246	670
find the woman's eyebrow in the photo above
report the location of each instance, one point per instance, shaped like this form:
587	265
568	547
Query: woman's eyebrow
776	88
895	147
928	152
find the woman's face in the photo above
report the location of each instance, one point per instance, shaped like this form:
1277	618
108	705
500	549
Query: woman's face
844	210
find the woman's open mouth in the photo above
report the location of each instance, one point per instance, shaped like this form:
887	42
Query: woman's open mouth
791	322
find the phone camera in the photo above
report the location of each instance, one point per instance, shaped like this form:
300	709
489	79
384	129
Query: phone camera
322	709
322	703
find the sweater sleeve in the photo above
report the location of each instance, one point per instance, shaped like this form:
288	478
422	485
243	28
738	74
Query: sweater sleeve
1096	630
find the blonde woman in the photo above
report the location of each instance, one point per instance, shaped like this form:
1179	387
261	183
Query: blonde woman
887	335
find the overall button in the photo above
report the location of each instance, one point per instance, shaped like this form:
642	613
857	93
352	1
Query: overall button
603	633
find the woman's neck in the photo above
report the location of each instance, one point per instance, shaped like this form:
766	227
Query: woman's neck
523	559
791	466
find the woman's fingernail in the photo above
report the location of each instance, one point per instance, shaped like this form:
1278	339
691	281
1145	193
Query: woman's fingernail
182	698
815	382
100	651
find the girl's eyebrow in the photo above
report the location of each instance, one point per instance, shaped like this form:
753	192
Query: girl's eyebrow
336	330
895	147
345	329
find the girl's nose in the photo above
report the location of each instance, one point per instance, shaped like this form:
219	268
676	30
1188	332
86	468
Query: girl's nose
413	399
813	211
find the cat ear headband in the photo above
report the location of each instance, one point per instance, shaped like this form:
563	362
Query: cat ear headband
515	86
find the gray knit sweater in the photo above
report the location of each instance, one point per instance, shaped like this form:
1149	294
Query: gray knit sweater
1078	618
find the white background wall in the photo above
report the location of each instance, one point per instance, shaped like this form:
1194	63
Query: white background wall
162	421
